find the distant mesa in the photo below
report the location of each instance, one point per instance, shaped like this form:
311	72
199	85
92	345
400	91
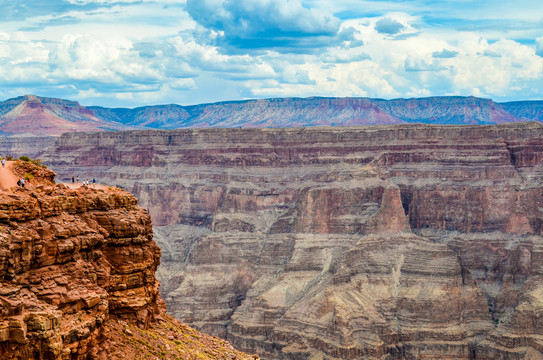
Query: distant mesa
32	115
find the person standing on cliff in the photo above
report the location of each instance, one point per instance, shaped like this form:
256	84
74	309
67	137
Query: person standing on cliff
3	162
23	182
93	182
73	180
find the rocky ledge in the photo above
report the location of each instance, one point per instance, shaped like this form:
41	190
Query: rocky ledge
77	278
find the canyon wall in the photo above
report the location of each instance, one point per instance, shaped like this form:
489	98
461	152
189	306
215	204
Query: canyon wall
71	259
385	242
77	277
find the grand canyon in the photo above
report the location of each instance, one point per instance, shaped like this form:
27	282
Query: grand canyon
77	277
271	179
407	241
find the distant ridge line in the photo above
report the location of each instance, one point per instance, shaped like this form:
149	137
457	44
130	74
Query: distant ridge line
37	116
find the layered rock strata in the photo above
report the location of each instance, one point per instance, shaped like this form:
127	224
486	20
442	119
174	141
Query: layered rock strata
390	242
31	115
77	277
70	260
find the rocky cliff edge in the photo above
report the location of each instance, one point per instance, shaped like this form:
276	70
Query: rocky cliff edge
77	278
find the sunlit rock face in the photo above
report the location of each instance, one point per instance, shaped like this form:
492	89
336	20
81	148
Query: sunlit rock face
384	242
71	259
77	277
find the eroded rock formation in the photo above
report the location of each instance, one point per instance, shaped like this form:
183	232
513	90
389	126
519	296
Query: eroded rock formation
77	278
71	259
390	242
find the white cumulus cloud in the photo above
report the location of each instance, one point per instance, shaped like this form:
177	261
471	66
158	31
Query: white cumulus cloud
125	52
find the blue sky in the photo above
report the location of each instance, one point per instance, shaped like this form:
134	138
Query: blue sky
128	53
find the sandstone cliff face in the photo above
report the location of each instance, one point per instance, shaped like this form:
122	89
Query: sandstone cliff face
387	242
69	260
77	278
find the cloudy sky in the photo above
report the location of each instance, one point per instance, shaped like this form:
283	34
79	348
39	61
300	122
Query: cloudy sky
127	53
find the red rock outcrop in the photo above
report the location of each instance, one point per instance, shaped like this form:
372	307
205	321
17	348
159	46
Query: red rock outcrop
390	242
77	278
357	207
70	260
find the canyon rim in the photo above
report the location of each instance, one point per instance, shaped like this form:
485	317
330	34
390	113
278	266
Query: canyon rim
294	179
382	242
77	276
